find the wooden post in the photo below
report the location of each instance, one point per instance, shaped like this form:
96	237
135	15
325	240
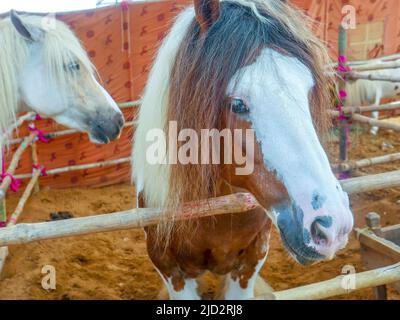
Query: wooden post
35	161
373	220
5	184
17	212
343	124
380	292
3	256
3	212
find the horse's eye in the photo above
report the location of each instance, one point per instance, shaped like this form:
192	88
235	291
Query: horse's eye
73	66
238	106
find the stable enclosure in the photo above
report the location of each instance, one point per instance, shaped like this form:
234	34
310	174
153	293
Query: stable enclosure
124	56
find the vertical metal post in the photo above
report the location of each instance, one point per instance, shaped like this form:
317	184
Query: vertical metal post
343	124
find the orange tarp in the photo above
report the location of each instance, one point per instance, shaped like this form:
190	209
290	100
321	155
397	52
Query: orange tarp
122	42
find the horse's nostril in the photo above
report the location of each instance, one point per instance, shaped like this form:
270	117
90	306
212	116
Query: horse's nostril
119	119
318	235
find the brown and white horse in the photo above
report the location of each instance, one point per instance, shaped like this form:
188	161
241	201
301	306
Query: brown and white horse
250	65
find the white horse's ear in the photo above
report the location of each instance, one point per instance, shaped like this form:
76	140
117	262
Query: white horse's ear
29	32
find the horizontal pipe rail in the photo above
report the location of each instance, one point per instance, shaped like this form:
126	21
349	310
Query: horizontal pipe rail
372	182
135	218
63	133
368	162
373	77
96	165
337	286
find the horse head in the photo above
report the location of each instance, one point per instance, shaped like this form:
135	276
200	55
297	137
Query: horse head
276	93
56	78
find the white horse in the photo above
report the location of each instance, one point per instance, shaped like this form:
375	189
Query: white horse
46	70
361	91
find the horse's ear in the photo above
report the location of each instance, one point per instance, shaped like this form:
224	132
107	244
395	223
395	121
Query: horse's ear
28	32
207	12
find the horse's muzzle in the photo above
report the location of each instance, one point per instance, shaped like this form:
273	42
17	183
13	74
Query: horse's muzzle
308	244
294	236
104	129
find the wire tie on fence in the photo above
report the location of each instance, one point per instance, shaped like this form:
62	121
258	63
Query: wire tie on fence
40	134
15	183
344	175
342	94
42	169
342	67
342	115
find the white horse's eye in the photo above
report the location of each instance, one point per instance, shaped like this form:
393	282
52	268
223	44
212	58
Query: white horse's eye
238	106
73	66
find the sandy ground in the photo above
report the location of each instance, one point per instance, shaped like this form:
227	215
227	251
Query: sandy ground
115	265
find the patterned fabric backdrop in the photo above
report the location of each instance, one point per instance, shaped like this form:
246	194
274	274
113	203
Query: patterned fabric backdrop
122	41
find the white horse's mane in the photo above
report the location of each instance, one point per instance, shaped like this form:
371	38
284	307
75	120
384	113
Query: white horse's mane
153	180
60	48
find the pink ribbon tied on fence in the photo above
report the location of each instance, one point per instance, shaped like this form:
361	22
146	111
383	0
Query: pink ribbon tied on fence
15	183
344	175
342	67
40	134
38	117
42	169
342	116
342	94
342	59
